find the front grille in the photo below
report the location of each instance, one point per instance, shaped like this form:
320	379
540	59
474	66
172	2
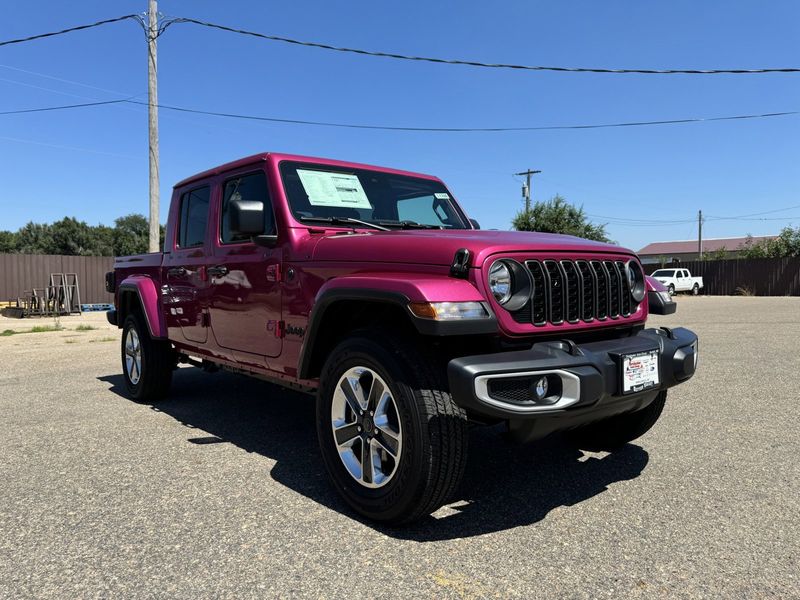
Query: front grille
576	290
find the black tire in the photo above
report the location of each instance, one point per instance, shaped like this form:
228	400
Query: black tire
671	289
618	430
695	290
434	430
157	362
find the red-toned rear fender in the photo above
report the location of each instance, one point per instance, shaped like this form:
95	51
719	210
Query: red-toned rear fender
142	292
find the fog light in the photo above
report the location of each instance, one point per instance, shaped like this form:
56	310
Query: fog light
546	389
540	388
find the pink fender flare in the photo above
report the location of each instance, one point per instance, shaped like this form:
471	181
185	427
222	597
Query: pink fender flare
147	294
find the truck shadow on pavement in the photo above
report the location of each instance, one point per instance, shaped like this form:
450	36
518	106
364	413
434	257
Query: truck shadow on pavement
505	485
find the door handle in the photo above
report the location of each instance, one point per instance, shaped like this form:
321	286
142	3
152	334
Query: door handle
177	272
218	271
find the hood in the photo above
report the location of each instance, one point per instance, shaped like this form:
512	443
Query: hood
438	247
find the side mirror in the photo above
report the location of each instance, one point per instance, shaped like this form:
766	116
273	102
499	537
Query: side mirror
475	224
247	218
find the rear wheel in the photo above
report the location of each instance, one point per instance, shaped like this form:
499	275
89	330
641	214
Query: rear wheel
618	430
695	290
147	364
393	441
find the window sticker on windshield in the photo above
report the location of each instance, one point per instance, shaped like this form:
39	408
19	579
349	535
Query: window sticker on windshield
442	196
325	188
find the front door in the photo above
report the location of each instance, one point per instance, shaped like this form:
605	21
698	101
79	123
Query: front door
186	302
245	294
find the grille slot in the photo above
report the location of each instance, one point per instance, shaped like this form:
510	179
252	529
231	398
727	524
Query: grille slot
539	300
555	280
589	287
602	289
625	289
613	289
575	291
572	291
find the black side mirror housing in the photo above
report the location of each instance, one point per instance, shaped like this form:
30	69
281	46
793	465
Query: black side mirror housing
247	217
475	224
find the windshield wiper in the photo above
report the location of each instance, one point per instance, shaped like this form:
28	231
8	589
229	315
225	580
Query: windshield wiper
408	224
344	221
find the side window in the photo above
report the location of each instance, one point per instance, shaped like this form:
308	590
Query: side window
194	218
679	274
245	187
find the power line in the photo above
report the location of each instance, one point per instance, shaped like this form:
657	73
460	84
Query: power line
71	29
403	128
63	107
458	129
766	212
470	63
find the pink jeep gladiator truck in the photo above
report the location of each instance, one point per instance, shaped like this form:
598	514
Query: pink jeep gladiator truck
371	288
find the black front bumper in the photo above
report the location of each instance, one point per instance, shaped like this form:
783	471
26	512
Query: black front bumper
595	368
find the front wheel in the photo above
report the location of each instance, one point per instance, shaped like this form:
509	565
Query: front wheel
147	364
618	430
393	441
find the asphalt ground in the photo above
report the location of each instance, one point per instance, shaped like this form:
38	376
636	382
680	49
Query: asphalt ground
220	491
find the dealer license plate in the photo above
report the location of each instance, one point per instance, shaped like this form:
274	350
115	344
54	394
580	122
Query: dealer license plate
639	371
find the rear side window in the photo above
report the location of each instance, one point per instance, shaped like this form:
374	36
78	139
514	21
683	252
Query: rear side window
252	186
194	218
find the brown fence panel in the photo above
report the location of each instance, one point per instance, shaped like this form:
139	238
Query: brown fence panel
758	276
22	272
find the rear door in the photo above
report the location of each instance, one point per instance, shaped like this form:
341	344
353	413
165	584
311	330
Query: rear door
184	267
245	294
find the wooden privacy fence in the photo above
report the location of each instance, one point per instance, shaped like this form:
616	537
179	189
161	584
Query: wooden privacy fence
758	276
20	272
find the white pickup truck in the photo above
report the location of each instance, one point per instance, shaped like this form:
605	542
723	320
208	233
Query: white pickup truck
679	280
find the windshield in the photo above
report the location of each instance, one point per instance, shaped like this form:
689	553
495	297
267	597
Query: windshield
664	273
337	194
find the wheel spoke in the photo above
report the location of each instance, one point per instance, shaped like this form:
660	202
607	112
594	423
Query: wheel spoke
349	387
367	468
346	433
377	392
388	440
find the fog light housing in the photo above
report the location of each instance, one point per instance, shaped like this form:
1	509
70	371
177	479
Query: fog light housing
546	390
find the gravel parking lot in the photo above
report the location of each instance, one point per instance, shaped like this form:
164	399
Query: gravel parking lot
220	491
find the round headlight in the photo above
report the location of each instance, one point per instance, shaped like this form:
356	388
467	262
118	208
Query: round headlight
635	280
500	282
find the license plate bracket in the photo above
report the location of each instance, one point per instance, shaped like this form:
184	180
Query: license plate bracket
639	371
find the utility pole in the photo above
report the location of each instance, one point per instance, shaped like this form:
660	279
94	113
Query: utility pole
526	191
152	115
700	234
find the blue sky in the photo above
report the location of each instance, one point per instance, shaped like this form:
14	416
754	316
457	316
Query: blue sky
92	163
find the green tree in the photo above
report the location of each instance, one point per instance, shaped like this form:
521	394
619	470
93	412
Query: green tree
718	254
72	237
8	242
35	238
787	243
559	216
131	235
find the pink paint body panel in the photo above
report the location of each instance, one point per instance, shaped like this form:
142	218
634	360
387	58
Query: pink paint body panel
312	260
147	291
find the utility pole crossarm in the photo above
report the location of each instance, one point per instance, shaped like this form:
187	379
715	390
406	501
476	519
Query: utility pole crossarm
526	192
